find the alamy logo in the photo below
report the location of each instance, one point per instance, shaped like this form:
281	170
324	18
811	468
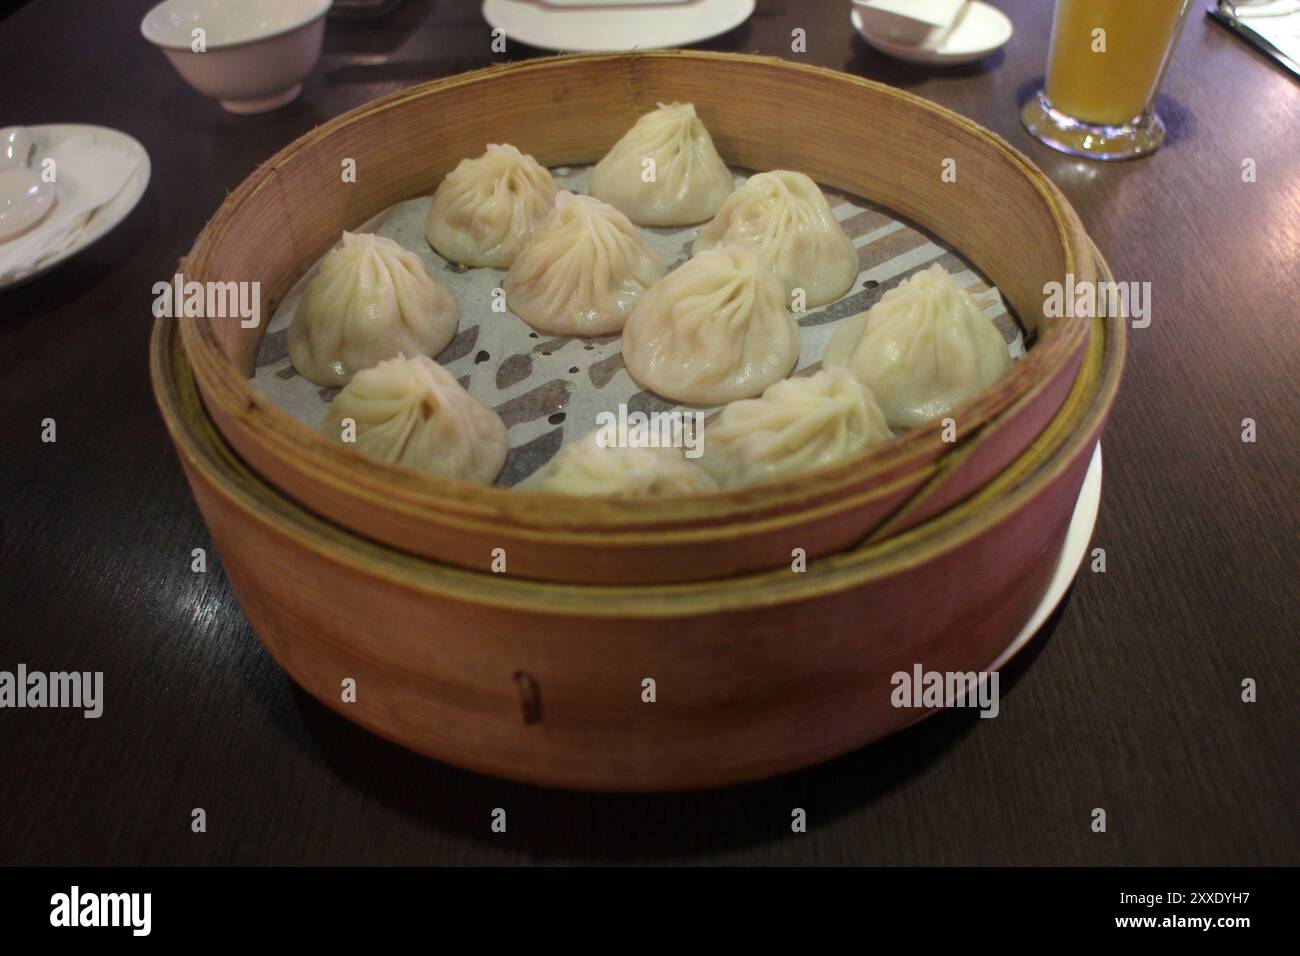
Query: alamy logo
1089	300
79	690
75	908
213	300
922	688
674	429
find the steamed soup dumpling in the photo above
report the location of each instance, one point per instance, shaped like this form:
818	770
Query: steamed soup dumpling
797	425
413	412
589	468
783	218
371	300
583	271
923	349
487	208
713	330
689	180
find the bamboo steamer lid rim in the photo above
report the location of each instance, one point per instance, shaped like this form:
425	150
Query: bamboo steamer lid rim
1046	459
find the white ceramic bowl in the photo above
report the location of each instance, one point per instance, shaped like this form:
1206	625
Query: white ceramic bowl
901	21
981	31
255	53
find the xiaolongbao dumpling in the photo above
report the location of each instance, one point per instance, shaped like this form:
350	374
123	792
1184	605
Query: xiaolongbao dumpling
689	180
371	300
587	467
783	218
923	349
413	412
714	330
582	271
798	424
485	209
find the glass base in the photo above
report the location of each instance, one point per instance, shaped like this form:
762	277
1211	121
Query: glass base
1137	138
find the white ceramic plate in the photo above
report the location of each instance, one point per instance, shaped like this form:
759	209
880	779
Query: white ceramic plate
1075	550
981	31
107	216
602	29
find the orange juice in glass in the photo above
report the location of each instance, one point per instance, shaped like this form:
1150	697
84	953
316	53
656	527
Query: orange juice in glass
1106	63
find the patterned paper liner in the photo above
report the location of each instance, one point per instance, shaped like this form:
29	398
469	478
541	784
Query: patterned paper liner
549	390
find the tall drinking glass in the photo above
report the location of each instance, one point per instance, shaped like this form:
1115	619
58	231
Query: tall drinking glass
1106	63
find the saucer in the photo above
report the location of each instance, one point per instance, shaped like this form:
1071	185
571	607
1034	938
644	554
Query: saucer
606	27
981	30
105	218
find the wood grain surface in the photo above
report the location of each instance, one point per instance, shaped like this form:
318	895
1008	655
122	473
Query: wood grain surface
1130	700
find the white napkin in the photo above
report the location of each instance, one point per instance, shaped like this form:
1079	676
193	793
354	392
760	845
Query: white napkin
88	174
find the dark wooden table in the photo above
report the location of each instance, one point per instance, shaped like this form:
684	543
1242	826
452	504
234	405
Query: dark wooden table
1131	699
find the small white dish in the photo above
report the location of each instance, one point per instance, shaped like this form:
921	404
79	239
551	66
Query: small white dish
907	22
1077	538
612	3
254	54
981	30
24	201
1071	557
108	216
598	29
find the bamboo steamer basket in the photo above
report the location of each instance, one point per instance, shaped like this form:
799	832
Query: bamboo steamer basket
754	675
845	132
